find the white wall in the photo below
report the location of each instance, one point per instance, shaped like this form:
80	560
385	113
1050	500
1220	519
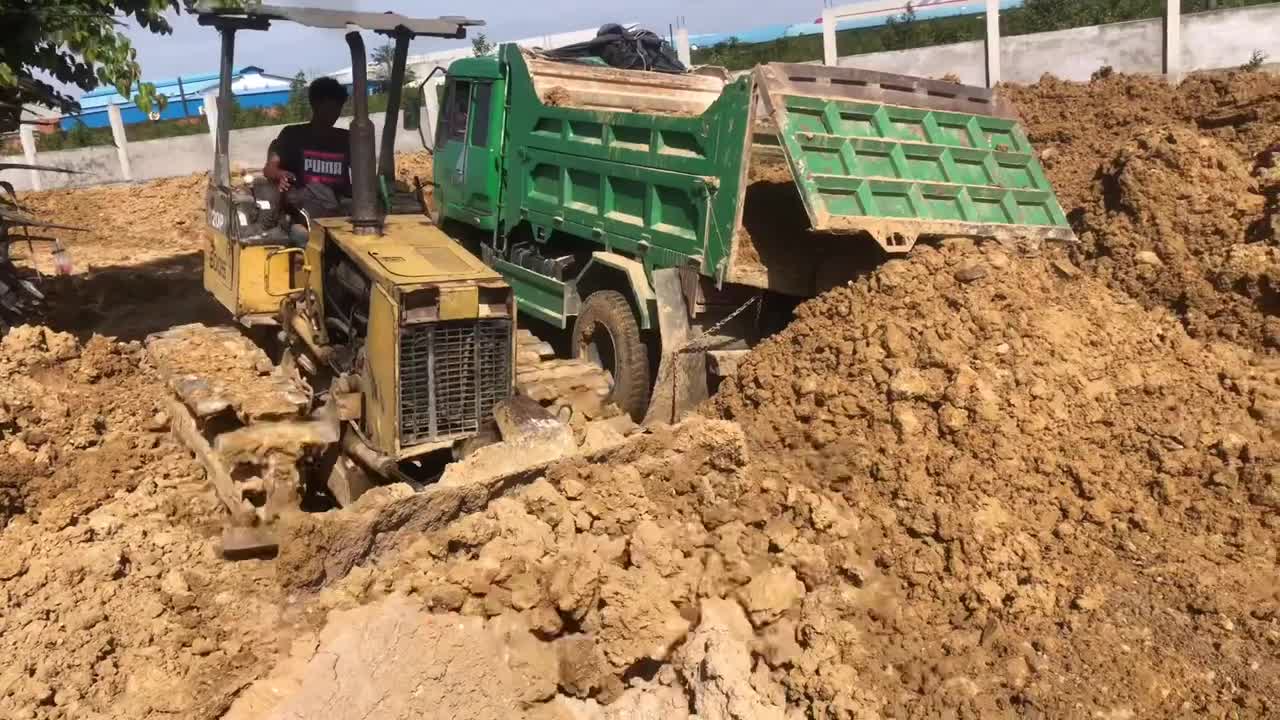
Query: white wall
171	157
1211	40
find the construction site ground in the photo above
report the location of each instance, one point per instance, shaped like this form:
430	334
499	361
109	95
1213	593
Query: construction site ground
978	482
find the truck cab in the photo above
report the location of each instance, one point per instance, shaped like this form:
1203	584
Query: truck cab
468	159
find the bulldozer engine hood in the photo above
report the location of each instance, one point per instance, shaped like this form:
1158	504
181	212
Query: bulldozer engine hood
410	252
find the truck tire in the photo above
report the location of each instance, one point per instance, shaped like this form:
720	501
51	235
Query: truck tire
606	333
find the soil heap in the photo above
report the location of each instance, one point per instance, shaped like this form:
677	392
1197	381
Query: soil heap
1057	502
113	603
1170	190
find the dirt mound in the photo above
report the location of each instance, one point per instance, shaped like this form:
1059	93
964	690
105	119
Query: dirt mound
1166	189
610	570
128	224
1077	127
414	164
1172	227
370	661
113	600
1036	497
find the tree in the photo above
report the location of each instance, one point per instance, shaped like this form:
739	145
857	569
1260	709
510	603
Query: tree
384	58
50	47
480	45
298	107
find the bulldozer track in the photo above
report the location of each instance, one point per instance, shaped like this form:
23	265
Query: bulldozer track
573	387
245	419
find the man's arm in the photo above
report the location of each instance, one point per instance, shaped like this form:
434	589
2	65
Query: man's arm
272	170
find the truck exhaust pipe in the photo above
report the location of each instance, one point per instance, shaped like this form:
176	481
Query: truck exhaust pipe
365	217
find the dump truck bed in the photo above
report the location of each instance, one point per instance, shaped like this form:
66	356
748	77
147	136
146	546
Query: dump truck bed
683	169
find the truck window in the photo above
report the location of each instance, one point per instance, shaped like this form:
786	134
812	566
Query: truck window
454	126
480	112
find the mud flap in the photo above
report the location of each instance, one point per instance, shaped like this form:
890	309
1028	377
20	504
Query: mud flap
682	376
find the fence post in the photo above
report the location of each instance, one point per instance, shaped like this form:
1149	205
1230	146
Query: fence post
28	136
1173	40
993	43
829	37
211	113
431	110
122	142
682	46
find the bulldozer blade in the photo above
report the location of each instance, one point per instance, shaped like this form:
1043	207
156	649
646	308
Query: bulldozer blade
531	437
682	374
247	543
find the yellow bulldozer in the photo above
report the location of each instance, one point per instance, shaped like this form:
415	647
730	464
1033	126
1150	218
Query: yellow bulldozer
374	349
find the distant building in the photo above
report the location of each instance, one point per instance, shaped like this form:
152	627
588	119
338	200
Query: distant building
251	86
44	119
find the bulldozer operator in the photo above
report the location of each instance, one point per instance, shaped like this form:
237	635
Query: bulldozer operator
308	167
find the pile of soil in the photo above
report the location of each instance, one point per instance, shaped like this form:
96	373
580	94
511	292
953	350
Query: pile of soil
128	224
629	580
1051	501
113	602
1166	187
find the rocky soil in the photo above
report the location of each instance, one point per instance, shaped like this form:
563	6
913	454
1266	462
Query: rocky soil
1172	191
985	481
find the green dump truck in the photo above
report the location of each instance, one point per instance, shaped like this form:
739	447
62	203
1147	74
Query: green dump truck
662	219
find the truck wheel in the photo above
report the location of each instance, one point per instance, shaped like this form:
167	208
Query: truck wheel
605	333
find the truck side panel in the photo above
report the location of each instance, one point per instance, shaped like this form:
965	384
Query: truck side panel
635	182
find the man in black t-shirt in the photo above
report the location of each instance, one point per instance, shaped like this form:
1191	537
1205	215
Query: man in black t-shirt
309	163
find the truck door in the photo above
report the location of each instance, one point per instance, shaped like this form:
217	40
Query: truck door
466	152
451	142
481	180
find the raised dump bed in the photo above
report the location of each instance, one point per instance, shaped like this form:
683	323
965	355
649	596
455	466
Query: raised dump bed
763	180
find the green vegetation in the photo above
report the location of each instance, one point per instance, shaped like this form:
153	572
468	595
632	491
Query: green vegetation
907	31
480	45
49	48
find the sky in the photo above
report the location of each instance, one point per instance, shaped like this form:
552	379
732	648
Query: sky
288	48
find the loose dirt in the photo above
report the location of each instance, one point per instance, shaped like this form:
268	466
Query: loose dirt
1167	188
971	483
1051	501
113	602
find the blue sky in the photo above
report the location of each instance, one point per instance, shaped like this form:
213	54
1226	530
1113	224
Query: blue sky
288	48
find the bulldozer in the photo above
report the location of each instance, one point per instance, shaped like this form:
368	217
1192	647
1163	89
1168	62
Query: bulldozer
377	351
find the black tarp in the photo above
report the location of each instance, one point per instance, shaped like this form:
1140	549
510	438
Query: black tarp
625	48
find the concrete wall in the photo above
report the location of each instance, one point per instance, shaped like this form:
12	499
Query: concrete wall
169	157
1210	40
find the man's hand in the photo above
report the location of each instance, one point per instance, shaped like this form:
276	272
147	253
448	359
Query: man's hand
284	180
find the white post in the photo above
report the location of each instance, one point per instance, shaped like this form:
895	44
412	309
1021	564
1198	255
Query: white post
28	136
211	113
682	46
431	111
829	37
1173	40
122	142
993	43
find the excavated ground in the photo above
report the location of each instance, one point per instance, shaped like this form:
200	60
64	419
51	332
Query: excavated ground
1173	191
974	483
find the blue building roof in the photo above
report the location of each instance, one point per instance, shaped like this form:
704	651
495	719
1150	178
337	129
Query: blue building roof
191	84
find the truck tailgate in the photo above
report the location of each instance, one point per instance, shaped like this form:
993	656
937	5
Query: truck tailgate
900	157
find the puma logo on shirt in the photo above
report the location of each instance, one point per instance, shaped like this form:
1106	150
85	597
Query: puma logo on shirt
323	167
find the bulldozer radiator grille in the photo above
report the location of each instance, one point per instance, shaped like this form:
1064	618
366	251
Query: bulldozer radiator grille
451	375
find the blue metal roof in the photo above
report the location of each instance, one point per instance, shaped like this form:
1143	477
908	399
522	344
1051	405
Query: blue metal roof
191	84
